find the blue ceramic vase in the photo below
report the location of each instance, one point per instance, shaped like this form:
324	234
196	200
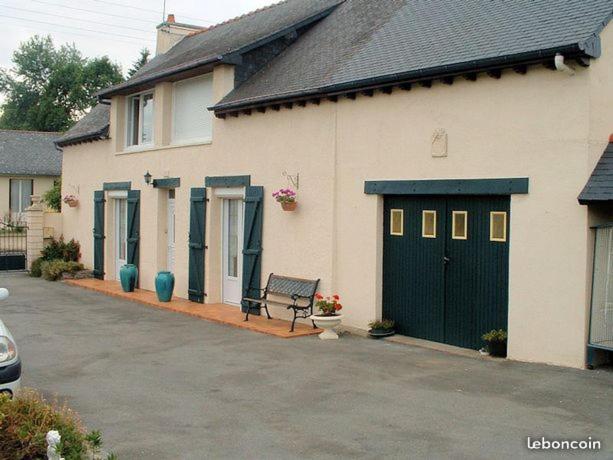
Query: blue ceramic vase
128	275
164	286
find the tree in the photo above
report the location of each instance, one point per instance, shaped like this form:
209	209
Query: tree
50	88
141	61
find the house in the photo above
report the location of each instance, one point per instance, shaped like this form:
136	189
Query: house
437	150
29	164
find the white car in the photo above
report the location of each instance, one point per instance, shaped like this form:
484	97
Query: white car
10	363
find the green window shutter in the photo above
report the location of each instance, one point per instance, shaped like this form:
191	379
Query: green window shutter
99	234
197	229
133	226
252	247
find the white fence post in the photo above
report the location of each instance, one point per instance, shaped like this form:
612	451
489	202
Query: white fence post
35	221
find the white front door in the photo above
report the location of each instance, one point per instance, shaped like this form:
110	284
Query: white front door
171	231
232	251
121	234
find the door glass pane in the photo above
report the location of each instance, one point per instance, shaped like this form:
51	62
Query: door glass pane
147	129
232	238
15	195
498	226
428	224
26	194
123	229
459	229
397	222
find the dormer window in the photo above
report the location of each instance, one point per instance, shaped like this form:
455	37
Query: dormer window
140	119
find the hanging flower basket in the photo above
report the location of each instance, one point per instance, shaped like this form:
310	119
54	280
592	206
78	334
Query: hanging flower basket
71	201
287	198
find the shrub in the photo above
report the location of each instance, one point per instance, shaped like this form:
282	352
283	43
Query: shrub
53	197
52	270
26	419
58	249
495	336
35	270
385	324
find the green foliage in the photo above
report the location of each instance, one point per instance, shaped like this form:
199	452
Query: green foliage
53	197
385	324
52	270
495	336
58	249
35	270
141	61
25	421
50	88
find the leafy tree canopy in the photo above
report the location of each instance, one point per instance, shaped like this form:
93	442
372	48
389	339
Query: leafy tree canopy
141	61
50	88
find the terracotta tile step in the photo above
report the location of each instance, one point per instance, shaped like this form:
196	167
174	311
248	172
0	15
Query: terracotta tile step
219	313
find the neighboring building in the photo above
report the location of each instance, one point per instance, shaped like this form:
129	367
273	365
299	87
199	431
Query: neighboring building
29	164
437	148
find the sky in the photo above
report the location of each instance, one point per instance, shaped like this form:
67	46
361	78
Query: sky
116	28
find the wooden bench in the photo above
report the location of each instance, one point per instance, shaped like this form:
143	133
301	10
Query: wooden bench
301	292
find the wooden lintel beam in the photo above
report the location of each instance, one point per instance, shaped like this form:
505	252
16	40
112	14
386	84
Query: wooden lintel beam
495	73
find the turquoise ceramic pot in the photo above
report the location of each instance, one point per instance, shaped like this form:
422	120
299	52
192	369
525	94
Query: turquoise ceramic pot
128	275
164	286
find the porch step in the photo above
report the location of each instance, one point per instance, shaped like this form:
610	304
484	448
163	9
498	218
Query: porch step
219	313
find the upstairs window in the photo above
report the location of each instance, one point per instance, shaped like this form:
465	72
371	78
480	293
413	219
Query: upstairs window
140	120
192	121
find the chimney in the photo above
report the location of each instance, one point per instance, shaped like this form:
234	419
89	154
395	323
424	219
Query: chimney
170	32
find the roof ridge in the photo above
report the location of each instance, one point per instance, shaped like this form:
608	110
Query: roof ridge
236	18
29	131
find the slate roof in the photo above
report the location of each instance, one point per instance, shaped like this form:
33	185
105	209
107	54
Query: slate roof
218	42
29	153
94	125
364	41
599	187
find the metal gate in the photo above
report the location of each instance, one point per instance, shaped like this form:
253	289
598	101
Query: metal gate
445	266
13	245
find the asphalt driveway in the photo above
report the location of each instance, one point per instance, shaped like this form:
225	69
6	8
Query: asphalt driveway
165	386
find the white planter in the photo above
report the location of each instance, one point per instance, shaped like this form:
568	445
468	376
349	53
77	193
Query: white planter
327	323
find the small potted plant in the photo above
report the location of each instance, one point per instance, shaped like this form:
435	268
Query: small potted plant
381	328
287	198
329	316
496	341
71	201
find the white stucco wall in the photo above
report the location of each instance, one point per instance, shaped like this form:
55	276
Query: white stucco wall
545	125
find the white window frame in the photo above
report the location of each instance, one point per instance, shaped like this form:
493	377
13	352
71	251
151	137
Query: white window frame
504	215
453	229
424	213
128	130
173	136
401	213
20	180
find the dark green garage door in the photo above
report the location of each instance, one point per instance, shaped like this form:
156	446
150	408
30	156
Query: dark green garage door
446	266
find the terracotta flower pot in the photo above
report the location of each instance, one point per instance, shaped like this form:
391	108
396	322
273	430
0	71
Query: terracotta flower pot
73	203
289	205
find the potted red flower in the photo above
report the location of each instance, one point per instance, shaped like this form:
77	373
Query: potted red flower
287	198
329	316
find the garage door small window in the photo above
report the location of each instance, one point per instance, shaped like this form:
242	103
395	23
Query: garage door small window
397	222
428	226
459	226
498	226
